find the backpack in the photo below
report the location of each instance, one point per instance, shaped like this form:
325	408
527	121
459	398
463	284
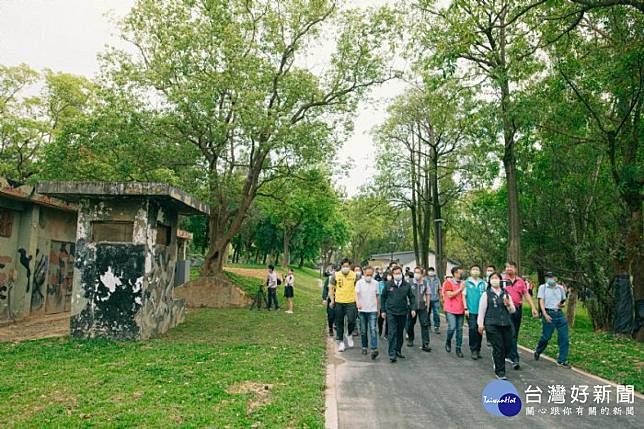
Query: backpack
279	281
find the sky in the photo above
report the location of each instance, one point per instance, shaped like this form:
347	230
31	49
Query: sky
67	36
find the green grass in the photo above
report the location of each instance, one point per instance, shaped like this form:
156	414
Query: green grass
186	378
612	357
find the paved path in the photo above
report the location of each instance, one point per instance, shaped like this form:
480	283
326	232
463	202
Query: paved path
437	389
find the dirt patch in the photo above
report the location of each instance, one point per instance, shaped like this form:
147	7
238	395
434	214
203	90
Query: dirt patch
249	272
212	292
36	327
261	393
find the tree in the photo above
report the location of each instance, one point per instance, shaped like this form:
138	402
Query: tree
422	144
228	78
493	41
29	123
599	73
300	206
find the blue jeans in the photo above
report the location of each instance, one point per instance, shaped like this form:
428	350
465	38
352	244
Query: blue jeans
368	323
435	307
455	324
559	323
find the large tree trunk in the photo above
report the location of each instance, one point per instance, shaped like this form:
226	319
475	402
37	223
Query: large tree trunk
286	244
509	161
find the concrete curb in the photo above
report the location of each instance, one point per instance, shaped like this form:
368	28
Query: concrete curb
330	394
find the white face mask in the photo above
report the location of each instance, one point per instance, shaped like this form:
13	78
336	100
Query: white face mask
416	276
398	277
432	274
489	273
345	270
367	279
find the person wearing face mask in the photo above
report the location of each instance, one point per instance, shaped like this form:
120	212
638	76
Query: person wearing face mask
489	270
396	301
342	290
454	310
358	270
495	308
474	288
367	303
434	289
421	293
551	297
516	287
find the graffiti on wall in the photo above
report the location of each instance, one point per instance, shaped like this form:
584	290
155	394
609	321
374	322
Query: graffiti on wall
25	261
61	274
40	276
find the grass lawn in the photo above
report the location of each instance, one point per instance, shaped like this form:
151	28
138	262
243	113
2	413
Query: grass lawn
221	368
614	358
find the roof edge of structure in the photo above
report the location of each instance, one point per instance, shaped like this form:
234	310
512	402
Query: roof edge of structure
74	191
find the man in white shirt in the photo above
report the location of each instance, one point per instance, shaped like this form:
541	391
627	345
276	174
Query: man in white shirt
367	303
271	282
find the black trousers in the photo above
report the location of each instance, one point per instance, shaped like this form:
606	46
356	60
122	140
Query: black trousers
272	297
423	317
342	310
501	339
330	314
381	324
475	338
396	328
513	354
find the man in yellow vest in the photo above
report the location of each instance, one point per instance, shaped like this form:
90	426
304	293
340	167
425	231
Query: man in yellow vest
342	290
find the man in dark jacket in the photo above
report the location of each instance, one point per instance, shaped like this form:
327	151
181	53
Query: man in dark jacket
396	301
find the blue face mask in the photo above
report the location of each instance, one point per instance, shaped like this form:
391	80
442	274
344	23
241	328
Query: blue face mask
551	282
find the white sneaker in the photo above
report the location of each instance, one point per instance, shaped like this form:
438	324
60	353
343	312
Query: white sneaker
289	312
341	346
350	341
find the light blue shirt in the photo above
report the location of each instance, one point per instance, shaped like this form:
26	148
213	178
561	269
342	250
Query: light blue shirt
551	295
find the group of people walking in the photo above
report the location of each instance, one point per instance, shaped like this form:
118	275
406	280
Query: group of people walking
391	301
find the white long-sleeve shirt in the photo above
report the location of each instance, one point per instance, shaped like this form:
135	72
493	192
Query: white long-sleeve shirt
483	306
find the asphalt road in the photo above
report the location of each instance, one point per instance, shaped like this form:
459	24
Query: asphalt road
438	389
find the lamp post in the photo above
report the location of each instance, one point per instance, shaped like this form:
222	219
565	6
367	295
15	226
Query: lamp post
392	244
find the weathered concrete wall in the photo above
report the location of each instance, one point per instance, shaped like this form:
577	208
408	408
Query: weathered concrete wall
29	282
124	290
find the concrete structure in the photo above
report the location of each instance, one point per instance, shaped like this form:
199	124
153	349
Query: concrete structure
37	250
126	254
405	259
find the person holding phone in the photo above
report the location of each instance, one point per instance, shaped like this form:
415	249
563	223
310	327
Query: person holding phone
495	308
552	297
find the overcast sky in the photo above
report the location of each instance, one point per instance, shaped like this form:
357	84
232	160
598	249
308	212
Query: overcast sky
67	35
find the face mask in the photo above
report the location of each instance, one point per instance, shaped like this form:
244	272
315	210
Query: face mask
432	274
489	273
367	279
345	270
495	282
475	273
358	274
551	282
398	277
416	276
